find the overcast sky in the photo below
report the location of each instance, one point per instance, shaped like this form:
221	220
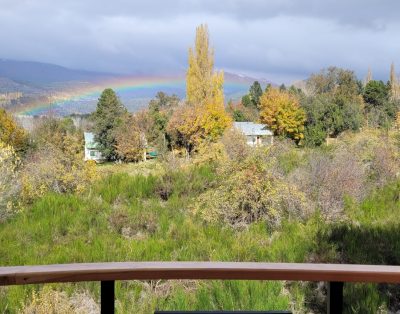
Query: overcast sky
281	40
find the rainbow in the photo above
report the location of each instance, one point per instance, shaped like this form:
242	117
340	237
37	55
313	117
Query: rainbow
89	92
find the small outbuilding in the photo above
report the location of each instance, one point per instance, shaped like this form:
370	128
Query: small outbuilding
91	148
257	134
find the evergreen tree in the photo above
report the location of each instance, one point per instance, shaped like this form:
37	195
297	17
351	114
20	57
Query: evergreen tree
107	118
255	93
375	93
246	101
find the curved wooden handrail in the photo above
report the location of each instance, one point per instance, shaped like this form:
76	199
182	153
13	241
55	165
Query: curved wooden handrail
20	275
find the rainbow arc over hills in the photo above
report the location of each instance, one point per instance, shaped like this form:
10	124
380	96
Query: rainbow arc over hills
88	92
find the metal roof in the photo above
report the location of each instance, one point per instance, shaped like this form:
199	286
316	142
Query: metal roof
89	140
251	128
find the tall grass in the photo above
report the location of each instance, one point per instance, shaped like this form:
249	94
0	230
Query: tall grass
126	218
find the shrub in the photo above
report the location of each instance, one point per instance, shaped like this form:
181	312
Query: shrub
9	186
251	192
384	165
11	133
210	153
327	179
49	169
52	301
235	144
57	162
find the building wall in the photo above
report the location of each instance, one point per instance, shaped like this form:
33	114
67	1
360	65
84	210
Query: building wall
96	156
254	140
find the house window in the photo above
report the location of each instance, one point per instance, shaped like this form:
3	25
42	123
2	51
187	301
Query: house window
92	153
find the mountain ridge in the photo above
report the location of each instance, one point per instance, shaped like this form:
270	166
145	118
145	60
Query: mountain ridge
41	85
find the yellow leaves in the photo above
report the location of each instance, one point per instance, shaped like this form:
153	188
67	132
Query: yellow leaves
56	170
9	163
203	85
282	113
210	153
397	121
250	191
192	125
214	120
11	133
204	119
131	141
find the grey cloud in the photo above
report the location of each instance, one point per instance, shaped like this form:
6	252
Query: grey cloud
280	40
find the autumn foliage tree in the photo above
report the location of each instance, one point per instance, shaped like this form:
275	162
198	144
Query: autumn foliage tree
203	118
203	84
282	113
190	126
130	140
394	84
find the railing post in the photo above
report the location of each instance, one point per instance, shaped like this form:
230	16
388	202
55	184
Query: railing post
335	297
107	297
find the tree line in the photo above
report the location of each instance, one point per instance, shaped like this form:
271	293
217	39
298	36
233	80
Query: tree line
329	103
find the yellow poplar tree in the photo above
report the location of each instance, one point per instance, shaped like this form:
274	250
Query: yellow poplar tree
282	113
369	76
397	121
394	85
204	118
203	85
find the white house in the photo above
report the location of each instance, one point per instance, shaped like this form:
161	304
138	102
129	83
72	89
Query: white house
91	148
256	134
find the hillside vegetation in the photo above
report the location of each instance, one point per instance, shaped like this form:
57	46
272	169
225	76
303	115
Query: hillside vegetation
160	216
327	190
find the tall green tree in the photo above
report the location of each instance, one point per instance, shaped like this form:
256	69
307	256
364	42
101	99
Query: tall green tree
107	118
376	93
255	93
335	104
328	117
246	101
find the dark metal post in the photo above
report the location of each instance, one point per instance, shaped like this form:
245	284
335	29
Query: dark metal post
335	297
107	296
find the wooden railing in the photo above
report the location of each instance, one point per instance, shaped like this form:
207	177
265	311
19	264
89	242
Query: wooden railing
107	273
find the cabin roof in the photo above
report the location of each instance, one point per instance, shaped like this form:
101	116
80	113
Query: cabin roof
90	143
251	128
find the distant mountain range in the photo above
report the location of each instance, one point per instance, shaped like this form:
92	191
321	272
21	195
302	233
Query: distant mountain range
34	88
44	73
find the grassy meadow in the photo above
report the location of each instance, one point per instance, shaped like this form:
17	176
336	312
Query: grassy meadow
136	217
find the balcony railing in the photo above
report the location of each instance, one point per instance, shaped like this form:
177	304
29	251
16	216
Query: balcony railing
107	273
